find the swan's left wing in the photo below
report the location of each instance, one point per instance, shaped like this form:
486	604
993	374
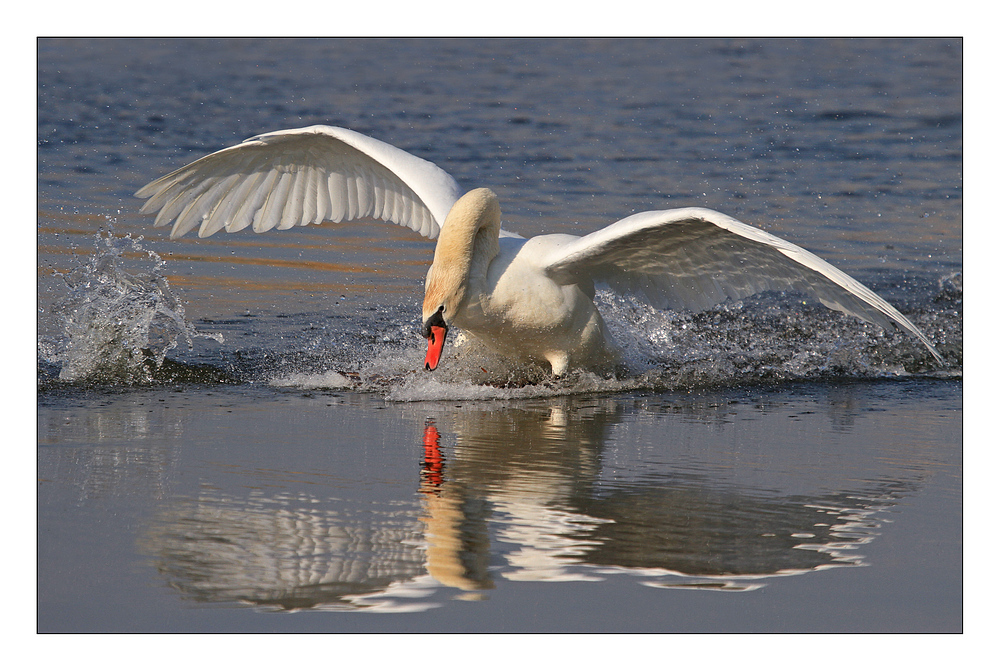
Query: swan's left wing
694	258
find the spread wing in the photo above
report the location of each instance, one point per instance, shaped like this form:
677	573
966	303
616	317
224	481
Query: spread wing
694	258
298	177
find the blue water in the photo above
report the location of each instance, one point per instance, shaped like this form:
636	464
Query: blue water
233	435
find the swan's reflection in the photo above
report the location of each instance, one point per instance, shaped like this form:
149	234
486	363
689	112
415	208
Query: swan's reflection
558	520
515	494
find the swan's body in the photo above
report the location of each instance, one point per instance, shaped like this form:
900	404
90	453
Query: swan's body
528	299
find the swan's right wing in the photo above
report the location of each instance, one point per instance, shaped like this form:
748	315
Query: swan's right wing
298	177
694	258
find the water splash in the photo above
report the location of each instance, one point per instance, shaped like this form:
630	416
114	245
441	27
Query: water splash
775	337
117	326
766	339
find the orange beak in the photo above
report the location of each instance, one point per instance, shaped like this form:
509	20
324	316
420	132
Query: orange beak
435	345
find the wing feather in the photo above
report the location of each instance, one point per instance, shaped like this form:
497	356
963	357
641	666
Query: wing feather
309	197
274	204
246	206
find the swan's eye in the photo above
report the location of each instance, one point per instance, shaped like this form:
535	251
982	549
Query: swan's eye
441	309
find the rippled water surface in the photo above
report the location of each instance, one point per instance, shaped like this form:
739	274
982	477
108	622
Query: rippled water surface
235	433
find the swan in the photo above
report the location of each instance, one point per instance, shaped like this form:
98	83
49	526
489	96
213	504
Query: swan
530	299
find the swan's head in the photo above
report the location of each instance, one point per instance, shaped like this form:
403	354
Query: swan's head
467	243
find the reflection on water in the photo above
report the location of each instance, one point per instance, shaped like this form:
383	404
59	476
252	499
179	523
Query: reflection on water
286	552
526	493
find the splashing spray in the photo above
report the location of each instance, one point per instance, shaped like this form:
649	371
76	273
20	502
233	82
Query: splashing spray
119	326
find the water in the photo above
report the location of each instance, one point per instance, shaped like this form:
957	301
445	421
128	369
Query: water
235	433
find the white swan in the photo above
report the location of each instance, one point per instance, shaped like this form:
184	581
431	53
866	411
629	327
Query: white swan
529	299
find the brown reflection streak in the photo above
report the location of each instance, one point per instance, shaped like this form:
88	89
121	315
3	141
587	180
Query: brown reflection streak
300	241
321	266
273	286
318	266
387	243
340	246
276	286
77	217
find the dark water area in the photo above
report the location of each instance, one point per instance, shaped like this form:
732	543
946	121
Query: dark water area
235	433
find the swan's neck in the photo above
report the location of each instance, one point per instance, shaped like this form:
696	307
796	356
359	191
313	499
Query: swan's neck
469	241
